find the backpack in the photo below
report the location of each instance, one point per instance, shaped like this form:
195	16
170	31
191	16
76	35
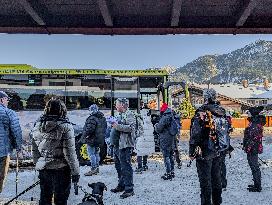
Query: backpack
177	119
174	127
222	138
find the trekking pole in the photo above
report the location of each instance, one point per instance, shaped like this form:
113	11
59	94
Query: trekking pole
17	173
263	161
23	192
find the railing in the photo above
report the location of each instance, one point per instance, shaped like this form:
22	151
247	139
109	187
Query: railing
236	123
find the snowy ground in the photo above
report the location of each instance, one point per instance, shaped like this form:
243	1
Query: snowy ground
150	189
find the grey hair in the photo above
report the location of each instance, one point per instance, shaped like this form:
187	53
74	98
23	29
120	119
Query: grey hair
123	101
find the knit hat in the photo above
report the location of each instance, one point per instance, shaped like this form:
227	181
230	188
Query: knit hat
209	94
256	110
4	95
164	107
93	108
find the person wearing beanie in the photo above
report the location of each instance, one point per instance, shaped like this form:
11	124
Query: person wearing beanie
166	140
252	145
93	135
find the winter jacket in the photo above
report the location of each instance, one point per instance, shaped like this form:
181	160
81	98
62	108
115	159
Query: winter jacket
253	135
199	133
94	130
10	131
54	144
163	128
126	127
145	144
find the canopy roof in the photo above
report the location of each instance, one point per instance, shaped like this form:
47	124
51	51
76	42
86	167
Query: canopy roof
129	17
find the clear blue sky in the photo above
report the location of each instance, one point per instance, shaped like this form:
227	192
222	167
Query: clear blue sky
115	52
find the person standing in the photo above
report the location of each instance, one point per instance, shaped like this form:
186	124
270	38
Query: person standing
208	158
124	132
166	139
10	136
54	153
94	133
252	145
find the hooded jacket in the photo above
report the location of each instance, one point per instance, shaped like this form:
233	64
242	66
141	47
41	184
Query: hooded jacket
163	128
54	144
94	130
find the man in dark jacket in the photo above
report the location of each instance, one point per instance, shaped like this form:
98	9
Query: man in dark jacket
208	162
10	136
166	140
252	145
94	132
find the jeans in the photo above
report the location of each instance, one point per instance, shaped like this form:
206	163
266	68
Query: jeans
168	160
142	161
55	183
126	168
209	174
117	165
93	153
4	166
123	166
252	159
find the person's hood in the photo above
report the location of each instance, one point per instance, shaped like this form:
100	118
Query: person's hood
167	111
50	123
98	114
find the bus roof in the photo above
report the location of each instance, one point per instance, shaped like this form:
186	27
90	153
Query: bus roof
28	69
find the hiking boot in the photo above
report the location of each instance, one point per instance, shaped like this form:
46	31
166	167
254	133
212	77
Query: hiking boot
139	170
167	176
117	189
172	174
254	189
126	194
179	165
145	168
94	171
250	185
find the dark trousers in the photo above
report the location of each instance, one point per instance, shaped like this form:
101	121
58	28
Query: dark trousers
252	159
123	166
209	174
117	165
224	171
142	161
57	183
176	152
168	160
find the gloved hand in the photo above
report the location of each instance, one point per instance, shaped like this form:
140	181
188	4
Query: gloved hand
75	178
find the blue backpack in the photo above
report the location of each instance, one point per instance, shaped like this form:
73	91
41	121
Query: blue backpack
174	125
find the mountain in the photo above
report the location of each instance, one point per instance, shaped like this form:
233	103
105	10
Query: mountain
253	62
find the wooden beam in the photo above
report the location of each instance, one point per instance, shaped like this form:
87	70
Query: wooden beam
105	12
176	9
246	12
133	31
30	10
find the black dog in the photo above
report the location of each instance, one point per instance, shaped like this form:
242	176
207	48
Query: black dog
96	197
